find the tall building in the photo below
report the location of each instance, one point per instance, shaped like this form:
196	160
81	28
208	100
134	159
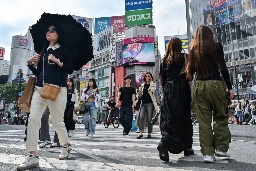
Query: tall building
233	25
21	49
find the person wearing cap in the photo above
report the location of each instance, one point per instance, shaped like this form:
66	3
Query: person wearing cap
126	97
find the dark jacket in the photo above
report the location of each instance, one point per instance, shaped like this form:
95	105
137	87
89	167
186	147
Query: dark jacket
54	74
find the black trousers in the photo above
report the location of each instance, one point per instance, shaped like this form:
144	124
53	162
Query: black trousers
68	118
125	118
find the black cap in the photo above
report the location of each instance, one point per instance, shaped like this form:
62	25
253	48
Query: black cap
127	77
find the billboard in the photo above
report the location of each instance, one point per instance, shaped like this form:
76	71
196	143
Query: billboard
231	20
16	70
86	22
138	17
102	41
2	50
183	38
119	79
118	23
139	39
131	5
101	24
138	54
138	12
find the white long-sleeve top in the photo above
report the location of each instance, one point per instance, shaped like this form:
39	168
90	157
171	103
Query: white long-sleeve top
75	98
85	97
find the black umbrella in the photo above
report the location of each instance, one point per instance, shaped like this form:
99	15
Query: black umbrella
75	37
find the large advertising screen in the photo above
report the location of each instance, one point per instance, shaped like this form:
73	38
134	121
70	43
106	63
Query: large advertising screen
138	54
16	71
231	19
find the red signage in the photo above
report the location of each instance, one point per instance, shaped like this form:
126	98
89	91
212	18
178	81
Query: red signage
118	23
139	40
1	53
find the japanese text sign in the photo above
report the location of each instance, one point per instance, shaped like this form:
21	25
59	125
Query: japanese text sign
138	17
131	5
101	24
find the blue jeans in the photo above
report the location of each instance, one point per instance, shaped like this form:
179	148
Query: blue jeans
90	118
239	116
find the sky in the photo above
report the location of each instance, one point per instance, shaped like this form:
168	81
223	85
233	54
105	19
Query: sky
169	16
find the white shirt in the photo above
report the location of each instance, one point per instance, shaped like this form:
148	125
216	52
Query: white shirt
54	47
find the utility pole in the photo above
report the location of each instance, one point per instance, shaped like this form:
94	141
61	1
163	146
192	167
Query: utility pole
19	91
237	81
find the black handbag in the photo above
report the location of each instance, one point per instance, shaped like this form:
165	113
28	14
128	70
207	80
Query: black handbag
85	108
154	119
138	104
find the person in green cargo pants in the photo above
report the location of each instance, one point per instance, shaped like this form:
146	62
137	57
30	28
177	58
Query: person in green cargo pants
210	98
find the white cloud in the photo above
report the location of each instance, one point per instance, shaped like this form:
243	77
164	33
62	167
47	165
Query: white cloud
18	15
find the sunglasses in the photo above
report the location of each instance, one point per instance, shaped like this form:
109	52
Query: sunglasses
50	30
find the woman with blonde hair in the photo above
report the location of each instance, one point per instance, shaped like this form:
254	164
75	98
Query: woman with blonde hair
176	125
210	98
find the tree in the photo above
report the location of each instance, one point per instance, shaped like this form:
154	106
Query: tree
9	92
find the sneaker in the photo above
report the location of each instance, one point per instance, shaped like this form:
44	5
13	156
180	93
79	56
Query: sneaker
54	145
219	153
70	133
65	153
90	136
87	132
32	161
45	143
209	159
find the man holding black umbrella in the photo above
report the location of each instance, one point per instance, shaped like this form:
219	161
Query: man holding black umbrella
64	39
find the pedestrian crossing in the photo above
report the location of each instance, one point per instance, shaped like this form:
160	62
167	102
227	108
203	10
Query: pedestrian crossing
108	150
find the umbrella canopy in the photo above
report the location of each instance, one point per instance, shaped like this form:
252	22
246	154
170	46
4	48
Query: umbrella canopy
74	36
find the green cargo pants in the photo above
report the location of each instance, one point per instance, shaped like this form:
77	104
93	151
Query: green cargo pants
210	102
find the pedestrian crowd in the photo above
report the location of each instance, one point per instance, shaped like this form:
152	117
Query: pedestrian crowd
203	69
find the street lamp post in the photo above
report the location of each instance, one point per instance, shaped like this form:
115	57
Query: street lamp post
19	91
237	81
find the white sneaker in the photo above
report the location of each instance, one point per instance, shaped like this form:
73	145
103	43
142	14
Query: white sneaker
70	133
65	153
87	132
90	136
219	153
209	159
45	143
31	162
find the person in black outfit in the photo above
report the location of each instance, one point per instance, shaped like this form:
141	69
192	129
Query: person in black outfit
111	105
126	96
72	103
176	125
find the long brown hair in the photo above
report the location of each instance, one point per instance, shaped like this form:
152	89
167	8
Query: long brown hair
173	52
205	54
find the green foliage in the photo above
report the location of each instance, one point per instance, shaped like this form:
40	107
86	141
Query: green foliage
9	92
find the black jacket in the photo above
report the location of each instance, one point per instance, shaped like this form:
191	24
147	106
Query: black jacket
54	74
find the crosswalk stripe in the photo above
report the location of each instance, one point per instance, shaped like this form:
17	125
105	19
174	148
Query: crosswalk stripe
116	145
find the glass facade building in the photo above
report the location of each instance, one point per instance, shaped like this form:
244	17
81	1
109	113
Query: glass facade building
234	25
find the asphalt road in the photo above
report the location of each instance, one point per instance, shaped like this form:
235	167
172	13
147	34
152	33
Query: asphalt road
109	150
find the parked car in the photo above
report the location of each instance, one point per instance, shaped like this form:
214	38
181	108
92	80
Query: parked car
79	119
